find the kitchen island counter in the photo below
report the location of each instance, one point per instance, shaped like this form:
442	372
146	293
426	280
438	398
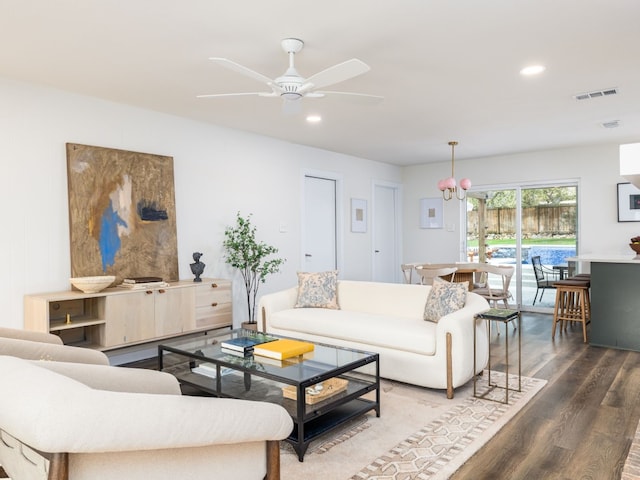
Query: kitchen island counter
615	300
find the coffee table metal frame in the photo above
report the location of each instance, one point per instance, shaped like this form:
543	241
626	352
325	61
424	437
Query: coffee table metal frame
506	316
310	420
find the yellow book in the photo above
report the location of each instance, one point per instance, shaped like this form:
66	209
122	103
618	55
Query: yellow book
283	348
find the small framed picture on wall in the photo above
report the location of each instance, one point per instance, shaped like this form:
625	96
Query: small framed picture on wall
358	215
431	212
628	203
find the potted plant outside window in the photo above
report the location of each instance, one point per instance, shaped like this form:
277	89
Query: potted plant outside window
244	252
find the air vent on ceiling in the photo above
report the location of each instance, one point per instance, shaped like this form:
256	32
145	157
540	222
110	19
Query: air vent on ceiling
611	124
596	93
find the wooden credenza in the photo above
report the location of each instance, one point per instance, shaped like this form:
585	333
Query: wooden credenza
118	317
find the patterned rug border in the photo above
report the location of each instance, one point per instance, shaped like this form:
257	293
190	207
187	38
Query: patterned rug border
631	469
440	448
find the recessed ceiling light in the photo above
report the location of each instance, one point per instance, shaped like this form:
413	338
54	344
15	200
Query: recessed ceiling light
532	70
314	118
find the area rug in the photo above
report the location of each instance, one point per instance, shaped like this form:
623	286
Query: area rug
419	435
631	469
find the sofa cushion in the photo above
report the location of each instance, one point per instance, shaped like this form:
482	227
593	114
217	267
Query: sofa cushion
400	333
444	298
318	290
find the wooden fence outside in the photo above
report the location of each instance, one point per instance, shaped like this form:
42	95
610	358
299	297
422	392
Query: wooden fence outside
539	220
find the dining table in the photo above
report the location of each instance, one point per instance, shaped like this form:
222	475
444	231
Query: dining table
562	270
465	271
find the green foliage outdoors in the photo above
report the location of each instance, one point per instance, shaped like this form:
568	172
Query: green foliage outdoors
504	200
531	197
249	256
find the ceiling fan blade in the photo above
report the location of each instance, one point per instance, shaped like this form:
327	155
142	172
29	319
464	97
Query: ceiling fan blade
260	94
338	73
363	98
236	67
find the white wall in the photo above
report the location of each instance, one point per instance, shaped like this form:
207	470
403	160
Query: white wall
220	171
595	167
217	173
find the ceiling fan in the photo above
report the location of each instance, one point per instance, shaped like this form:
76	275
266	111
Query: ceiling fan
292	87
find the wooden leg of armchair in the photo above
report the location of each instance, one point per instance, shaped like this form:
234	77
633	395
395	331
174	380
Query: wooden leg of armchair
273	460
449	368
59	466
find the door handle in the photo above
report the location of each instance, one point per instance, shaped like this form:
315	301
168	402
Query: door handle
376	251
307	255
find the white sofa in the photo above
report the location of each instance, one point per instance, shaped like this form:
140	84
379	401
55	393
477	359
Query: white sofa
61	420
387	318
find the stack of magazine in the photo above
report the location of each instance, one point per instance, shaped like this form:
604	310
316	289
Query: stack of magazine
143	283
243	346
210	370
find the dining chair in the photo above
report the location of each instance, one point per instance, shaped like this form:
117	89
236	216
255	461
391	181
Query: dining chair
407	272
545	278
495	290
427	273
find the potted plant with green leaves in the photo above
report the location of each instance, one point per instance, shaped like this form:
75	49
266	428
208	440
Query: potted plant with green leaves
244	252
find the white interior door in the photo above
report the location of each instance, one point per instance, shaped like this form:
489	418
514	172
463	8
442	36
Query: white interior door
386	266
319	224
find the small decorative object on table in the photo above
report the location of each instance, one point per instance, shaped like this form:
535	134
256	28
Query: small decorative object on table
318	392
635	245
197	267
92	284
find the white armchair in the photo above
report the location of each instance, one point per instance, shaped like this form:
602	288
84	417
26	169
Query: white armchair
53	426
45	346
64	420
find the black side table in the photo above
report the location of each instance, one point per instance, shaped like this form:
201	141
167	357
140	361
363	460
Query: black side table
504	316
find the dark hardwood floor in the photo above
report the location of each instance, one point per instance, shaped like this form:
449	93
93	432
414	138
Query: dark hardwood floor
580	425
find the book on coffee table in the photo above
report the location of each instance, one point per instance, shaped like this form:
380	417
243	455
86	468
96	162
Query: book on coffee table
245	344
210	370
237	353
283	348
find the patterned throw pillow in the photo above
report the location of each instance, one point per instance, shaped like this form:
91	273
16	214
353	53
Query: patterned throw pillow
444	298
318	290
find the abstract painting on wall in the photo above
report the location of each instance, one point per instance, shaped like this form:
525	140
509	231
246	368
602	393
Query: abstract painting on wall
121	213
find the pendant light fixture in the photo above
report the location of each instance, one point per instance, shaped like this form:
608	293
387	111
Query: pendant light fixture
448	186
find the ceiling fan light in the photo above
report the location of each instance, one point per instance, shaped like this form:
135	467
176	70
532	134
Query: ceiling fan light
290	95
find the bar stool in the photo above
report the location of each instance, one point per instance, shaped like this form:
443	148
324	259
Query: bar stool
572	304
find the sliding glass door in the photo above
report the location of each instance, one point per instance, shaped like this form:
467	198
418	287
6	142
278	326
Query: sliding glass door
523	226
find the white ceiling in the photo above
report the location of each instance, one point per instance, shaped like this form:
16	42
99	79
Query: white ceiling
448	69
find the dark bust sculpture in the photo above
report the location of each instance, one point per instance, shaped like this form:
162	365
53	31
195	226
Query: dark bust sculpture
197	267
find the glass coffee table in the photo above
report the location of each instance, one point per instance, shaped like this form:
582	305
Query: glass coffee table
321	389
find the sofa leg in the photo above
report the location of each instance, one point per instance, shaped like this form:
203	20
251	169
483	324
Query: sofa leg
449	368
273	460
59	466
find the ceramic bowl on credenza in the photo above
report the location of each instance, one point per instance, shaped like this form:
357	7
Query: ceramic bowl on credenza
92	284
